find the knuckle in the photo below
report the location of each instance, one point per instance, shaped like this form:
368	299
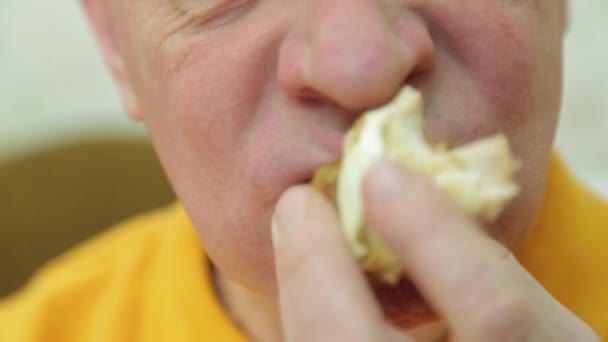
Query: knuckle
507	317
336	331
294	258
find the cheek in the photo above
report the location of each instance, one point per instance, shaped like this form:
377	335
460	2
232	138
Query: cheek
499	72
202	98
495	50
489	75
209	103
204	103
207	97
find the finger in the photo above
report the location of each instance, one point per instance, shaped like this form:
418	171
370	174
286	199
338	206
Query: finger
472	280
322	292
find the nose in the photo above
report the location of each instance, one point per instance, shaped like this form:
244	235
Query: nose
354	53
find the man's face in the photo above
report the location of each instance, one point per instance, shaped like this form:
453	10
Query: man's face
244	98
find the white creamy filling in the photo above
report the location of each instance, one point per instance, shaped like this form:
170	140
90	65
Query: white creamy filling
357	161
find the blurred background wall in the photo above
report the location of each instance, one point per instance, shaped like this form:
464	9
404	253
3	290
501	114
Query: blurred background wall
54	87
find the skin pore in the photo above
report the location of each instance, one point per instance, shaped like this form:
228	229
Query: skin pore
245	98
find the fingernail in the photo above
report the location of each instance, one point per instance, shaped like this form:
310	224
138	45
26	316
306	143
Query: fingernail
387	182
289	212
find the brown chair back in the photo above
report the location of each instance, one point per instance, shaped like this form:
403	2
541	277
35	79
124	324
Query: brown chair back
54	199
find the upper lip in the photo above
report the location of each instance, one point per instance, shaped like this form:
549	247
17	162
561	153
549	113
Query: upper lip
330	142
330	139
326	125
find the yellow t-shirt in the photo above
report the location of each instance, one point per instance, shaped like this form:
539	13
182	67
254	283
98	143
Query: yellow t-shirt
147	279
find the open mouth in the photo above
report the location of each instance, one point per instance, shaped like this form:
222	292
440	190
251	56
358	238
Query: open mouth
402	304
306	181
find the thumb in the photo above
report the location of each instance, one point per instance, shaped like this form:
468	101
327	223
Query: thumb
322	292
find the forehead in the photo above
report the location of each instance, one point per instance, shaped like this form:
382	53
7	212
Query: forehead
189	5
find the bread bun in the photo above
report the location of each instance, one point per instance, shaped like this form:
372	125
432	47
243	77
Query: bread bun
477	176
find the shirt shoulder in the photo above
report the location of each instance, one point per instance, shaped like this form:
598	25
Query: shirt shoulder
144	279
567	250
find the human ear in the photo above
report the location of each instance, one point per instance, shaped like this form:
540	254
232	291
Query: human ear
99	14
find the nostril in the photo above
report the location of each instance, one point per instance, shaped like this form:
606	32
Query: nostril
417	78
311	97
